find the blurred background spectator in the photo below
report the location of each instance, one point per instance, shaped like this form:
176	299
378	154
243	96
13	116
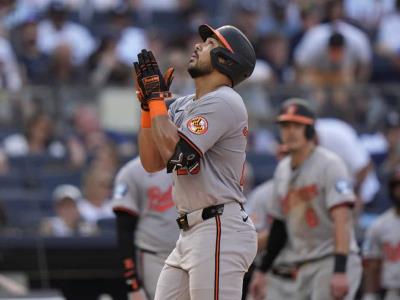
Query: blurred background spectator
97	188
67	220
333	49
10	78
38	139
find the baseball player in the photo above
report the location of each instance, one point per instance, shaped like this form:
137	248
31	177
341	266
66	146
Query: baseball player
281	279
311	211
146	225
382	249
202	141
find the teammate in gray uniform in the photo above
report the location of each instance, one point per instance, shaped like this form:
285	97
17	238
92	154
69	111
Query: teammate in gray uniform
281	279
382	249
202	141
311	210
146	217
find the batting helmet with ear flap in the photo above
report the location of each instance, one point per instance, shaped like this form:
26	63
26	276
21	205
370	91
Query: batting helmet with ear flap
299	111
237	58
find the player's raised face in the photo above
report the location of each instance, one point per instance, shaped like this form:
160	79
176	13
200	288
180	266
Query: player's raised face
200	61
293	135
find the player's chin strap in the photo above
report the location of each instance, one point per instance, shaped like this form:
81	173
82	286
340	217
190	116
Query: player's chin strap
184	157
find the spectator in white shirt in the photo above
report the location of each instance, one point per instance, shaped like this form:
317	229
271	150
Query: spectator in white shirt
38	139
131	40
342	139
368	13
97	190
388	40
316	40
57	32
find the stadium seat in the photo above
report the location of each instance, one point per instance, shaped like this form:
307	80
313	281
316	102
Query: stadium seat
25	208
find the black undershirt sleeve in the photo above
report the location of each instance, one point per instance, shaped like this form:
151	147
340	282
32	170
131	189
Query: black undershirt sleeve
126	226
276	241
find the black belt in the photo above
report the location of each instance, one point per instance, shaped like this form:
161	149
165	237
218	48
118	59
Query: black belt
207	213
285	274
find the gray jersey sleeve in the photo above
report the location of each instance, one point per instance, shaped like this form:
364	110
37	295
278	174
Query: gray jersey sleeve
208	122
274	206
126	194
339	188
372	244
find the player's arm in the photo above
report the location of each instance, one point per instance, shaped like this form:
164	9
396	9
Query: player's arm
149	154
342	223
372	273
152	87
166	134
341	216
276	242
262	239
126	226
372	253
159	136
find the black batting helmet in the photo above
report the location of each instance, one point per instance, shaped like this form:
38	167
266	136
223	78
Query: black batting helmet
237	52
299	111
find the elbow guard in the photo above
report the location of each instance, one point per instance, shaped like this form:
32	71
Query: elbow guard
186	157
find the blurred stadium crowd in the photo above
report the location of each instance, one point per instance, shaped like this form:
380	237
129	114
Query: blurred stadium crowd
65	64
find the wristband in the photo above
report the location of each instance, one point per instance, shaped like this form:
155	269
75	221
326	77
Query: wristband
340	263
145	119
157	108
132	282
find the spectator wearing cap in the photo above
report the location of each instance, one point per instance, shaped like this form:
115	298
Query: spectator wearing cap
59	37
67	221
348	47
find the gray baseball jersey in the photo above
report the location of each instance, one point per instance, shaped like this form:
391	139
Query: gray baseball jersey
257	207
216	127
303	198
383	241
150	196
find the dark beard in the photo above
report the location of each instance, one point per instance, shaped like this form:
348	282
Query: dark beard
196	72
